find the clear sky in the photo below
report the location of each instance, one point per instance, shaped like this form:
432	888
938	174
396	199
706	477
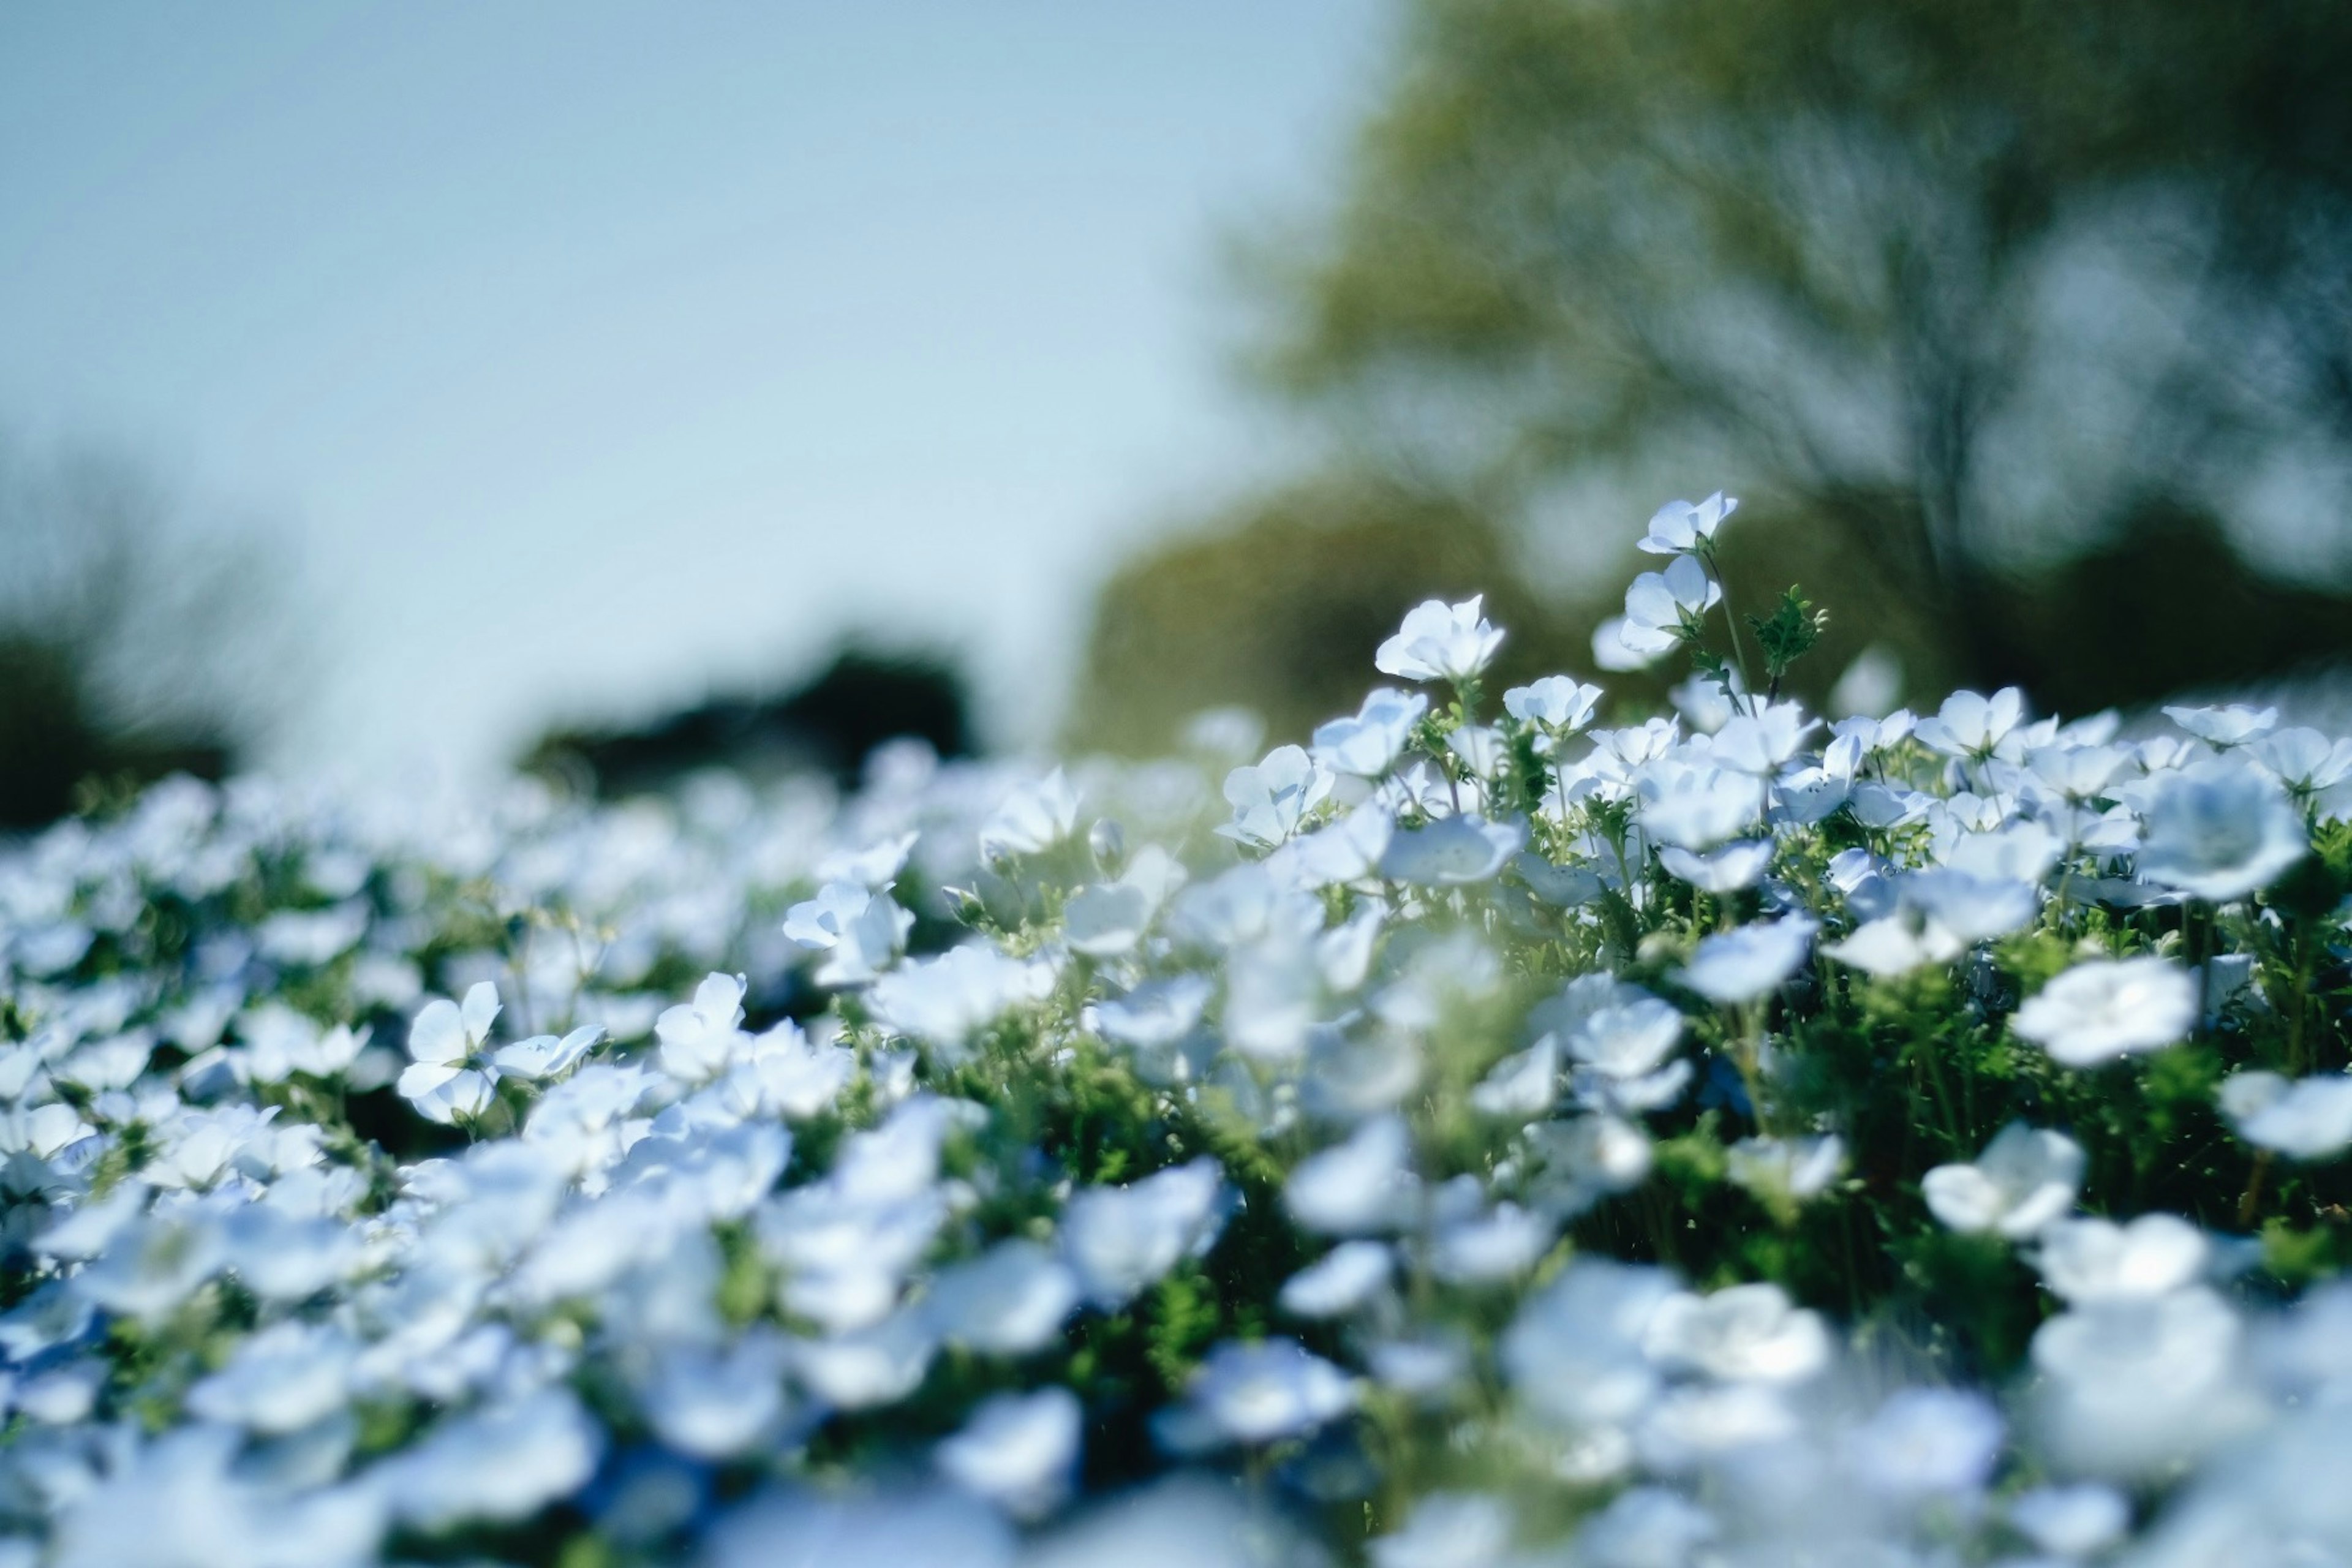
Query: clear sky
594	353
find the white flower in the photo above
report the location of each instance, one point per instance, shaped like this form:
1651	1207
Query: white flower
284	1377
2071	1522
2304	761
1348	850
1658	606
1010	1301
1626	1040
1448	1530
1740	966
1157	1013
1970	724
699	1039
1018	1451
1695	805
1453	851
716	1405
1268	800
2233	725
545	1056
1723	870
879	1364
2304	1119
2026	1178
1260	1393
497	1464
1034	817
1365	1183
1120	1240
1925	1441
945	1000
1440	642
2220	830
1340	1281
1680	525
1895	944
1743	1333
1499	1245
1613	650
2106	1008
2098	1260
1366	744
1105	920
1523	1085
2137	1384
443	1041
1786	1170
1557	703
1574	1352
860	928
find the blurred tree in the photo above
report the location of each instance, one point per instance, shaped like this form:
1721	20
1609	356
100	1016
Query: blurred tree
1279	607
831	722
130	647
1969	290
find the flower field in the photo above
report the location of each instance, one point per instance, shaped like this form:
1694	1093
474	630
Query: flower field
1510	1130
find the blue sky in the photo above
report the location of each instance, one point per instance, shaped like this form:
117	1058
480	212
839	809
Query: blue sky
591	354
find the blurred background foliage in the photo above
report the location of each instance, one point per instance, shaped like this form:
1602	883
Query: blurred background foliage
2025	327
129	649
829	723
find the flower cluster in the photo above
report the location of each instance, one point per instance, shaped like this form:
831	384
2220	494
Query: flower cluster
1490	1133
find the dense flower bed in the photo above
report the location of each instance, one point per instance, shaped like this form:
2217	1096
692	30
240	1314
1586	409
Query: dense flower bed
1488	1136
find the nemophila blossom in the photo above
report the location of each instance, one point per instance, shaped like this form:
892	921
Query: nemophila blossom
1694	804
857	1282
2075	1521
1367	744
2233	724
444	1043
1258	1394
2220	830
1453	851
1440	642
2304	1119
1970	724
1449	1529
2026	1178
1661	608
1680	525
2307	761
2089	1259
1122	1240
1010	1301
1032	819
1361	1185
1018	1451
1338	1282
1926	1442
1723	870
859	928
1270	799
2104	1008
1786	1171
1557	704
944	1001
1744	1334
1740	966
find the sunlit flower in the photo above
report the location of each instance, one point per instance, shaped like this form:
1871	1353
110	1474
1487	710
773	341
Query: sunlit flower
1440	642
2219	831
1680	525
2026	1178
2104	1008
